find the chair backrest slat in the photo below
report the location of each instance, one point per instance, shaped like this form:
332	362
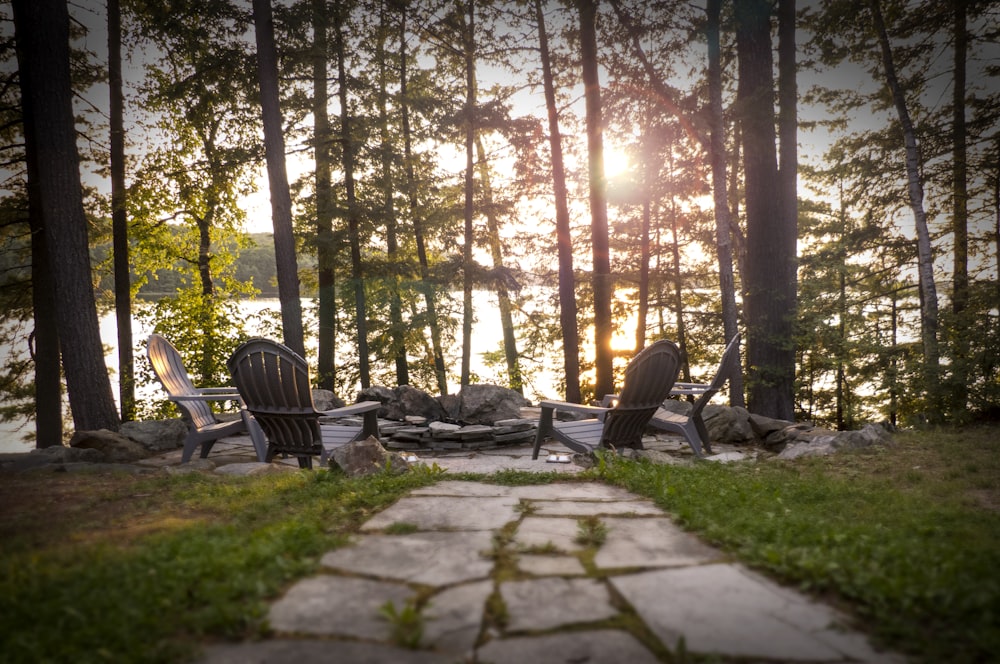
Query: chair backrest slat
274	383
649	378
169	369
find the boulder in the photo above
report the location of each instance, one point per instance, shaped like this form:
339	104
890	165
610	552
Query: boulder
157	435
391	408
416	403
326	400
486	404
452	404
728	425
115	447
679	406
765	426
366	457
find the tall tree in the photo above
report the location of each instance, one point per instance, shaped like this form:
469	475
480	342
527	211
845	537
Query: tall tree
277	177
769	298
723	218
602	284
396	325
418	213
915	191
348	150
119	218
514	378
960	215
469	53
564	242
325	242
42	36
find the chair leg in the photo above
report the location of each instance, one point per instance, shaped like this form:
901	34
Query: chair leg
190	445
544	426
256	435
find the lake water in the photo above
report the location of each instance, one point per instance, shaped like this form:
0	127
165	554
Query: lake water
486	337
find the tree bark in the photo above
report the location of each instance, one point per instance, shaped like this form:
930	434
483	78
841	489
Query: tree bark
42	39
769	307
468	48
960	219
426	286
514	379
396	326
277	177
119	218
603	361
325	249
915	191
353	216
564	241
723	218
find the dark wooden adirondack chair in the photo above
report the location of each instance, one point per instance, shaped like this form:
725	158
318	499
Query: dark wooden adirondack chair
274	383
648	379
204	426
692	425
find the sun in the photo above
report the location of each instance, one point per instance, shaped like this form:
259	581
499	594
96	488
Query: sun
616	161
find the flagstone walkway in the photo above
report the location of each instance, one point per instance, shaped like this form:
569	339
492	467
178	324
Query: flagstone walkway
499	574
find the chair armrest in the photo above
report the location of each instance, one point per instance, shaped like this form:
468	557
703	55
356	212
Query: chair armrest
353	409
229	396
217	390
686	386
595	411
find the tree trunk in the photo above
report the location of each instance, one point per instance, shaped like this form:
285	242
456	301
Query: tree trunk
325	248
723	219
603	361
353	216
514	378
915	190
468	44
45	337
564	241
648	177
42	38
960	220
396	326
277	177
770	250
426	286
119	219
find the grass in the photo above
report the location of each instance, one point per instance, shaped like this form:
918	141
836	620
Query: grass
906	537
103	566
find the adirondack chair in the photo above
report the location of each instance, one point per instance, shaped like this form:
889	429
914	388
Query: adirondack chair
692	425
274	383
648	379
204	426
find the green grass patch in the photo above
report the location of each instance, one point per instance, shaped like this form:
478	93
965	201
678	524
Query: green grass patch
145	580
908	537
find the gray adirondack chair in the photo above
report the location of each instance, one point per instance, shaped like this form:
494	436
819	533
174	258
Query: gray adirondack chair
692	425
274	383
204	426
649	377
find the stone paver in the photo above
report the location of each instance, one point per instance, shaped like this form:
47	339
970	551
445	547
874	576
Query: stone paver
430	558
594	508
545	532
543	565
427	513
650	542
337	606
280	651
597	647
546	603
727	609
454	617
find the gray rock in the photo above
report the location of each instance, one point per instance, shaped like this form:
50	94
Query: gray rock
486	404
366	457
728	425
115	447
417	403
326	400
763	427
157	435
